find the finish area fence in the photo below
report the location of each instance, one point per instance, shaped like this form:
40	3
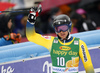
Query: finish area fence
29	57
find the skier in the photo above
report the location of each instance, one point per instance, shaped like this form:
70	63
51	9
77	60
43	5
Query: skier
64	49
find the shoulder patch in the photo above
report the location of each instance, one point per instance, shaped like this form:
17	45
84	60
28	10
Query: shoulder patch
47	37
55	41
76	42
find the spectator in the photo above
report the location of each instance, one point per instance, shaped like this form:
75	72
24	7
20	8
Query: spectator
5	25
10	39
20	24
94	13
24	21
6	35
65	9
77	21
88	24
81	21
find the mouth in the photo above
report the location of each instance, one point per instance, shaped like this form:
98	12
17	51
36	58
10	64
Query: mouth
62	34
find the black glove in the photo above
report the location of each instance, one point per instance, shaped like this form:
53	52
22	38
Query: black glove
34	13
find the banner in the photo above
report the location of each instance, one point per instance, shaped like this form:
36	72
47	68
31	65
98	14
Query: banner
38	65
43	64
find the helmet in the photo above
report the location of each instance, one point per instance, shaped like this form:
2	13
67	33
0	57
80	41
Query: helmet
61	20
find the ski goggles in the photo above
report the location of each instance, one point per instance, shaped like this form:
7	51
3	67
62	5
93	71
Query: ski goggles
63	28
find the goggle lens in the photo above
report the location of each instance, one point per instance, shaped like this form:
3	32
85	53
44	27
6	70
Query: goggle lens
62	28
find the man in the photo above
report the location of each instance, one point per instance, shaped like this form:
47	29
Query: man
65	50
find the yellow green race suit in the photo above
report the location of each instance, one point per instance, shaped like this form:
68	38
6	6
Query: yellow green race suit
67	53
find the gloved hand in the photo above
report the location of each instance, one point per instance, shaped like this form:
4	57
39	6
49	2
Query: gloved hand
18	37
34	13
13	36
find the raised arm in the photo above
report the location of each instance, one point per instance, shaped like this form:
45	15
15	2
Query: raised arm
85	57
32	35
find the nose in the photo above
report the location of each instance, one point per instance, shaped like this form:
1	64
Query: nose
61	31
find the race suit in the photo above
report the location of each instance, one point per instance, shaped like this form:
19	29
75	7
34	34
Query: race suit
64	55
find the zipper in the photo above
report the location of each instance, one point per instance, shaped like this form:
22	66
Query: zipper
64	42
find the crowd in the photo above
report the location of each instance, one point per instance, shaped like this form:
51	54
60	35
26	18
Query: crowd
83	19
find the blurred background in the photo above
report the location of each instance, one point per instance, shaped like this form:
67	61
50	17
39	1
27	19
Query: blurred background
85	15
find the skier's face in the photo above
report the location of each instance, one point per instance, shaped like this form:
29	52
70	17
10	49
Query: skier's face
63	35
62	31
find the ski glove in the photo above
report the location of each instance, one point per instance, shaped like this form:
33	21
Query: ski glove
34	13
13	37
